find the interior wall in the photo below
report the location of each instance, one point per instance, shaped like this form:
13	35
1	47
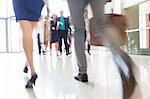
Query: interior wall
132	14
129	3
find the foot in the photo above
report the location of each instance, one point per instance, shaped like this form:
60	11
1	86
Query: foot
44	52
57	55
25	70
82	77
60	54
32	81
89	53
68	53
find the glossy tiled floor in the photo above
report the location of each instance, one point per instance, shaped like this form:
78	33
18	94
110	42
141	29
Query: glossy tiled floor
56	81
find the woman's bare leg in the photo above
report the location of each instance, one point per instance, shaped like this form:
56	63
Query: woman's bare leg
56	47
33	25
27	30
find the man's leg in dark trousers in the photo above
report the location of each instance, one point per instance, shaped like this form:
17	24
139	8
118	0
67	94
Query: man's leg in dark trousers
88	48
60	41
39	44
77	8
65	42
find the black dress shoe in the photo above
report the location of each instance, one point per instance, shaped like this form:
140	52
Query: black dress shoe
31	81
82	77
25	70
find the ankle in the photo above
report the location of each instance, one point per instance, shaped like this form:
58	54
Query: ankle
33	73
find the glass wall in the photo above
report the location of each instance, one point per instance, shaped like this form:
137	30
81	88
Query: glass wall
14	36
3	35
6	9
3	22
3	9
144	20
57	5
138	28
10	33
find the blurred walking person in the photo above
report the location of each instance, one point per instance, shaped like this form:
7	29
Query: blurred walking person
107	31
54	25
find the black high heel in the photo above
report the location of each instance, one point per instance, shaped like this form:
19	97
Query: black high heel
25	70
32	81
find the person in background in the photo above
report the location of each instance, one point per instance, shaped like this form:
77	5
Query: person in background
27	15
40	35
46	33
87	31
39	43
63	29
69	35
54	25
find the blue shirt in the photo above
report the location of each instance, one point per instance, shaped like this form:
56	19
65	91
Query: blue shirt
62	25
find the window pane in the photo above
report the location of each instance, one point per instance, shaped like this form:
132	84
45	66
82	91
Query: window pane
2	35
6	8
14	36
3	8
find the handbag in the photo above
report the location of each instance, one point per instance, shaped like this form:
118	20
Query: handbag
119	22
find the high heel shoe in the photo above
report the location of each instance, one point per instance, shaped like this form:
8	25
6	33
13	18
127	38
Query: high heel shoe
25	70
32	81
